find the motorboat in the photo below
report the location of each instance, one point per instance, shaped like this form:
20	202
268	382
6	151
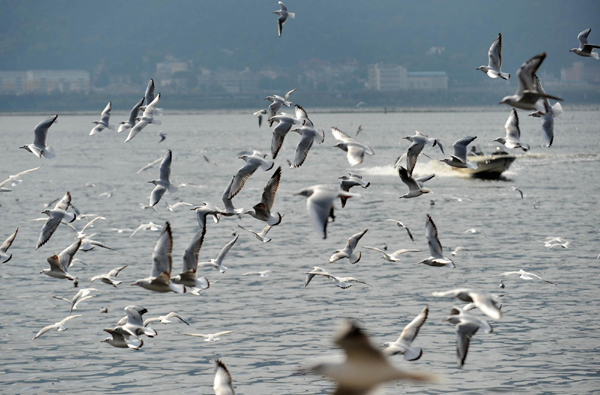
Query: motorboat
488	166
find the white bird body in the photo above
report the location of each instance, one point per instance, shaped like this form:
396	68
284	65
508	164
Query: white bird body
348	250
585	49
436	252
355	150
513	133
404	343
103	122
39	147
495	60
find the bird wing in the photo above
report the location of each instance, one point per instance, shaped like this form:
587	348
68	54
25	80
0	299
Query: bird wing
287	95
526	72
341	136
357	346
583	37
403	251
135	111
48	230
464	333
115	272
302	115
156	194
268	196
431	233
149	165
355	154
319	208
353	240
512	126
173	314
64	203
408	180
190	257
495	53
162	256
165	166
302	149
8	242
222	384
17	176
279	133
149	93
105	116
41	130
411	330
486	304
226	249
137	127
375	249
44	330
90	223
66	256
242	176
55	263
280	22
460	147
222	333
134	317
151	107
411	155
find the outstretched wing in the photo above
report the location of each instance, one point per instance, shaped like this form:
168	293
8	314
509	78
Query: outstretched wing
411	330
190	257
41	130
268	196
162	256
495	53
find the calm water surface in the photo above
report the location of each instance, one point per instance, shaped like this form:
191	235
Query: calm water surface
547	341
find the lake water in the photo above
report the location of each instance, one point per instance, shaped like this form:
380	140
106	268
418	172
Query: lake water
547	341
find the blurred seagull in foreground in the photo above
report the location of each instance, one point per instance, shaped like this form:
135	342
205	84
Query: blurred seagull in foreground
585	49
223	384
103	122
348	251
527	97
40	133
483	301
495	60
408	335
4	255
436	251
355	150
59	325
283	16
365	368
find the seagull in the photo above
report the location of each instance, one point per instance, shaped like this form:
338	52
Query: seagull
59	264
355	150
162	184
495	60
103	122
459	159
4	256
263	273
262	236
302	116
309	135
517	190
475	231
110	277
276	103
133	324
78	301
230	210
393	257
437	257
513	133
365	368
527	276
585	49
349	181
163	136
310	275
284	125
39	147
484	301
147	118
457	249
149	165
283	16
408	335
348	251
260	114
401	225
414	189
223	384
149	96
13	179
207	209
211	337
190	266
162	263
149	226
342	282
59	325
526	97
83	294
164	319
419	140
81	234
320	204
466	326
253	162
122	339
218	263
178	204
55	217
262	210
548	116
133	114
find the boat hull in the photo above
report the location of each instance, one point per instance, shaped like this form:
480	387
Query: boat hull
488	166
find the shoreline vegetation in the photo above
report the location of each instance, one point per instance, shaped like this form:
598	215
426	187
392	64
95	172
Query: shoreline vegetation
451	100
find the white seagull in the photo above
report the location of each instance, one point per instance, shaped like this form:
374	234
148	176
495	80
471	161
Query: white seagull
83	294
342	282
310	275
121	338
147	118
513	133
59	325
103	122
133	114
283	16
526	97
39	147
548	116
393	257
276	103
414	189
466	326
320	205
162	184
348	251
59	264
401	225
527	276
262	273
15	179
284	125
149	226
188	276
365	368
55	217
436	251
262	210
223	384
4	255
355	150
162	264
585	49
309	135
110	277
133	322
459	159
419	141
483	301
164	319
495	60
211	337
404	343
218	263
262	236
253	162
349	181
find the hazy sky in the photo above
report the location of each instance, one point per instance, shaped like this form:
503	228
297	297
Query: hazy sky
130	35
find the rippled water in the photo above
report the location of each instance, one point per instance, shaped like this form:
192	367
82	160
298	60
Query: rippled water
547	341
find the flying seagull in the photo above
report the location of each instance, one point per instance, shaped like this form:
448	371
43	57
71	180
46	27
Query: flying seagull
188	276
466	326
218	262
55	217
355	150
110	277
459	159
401	225
103	122
59	325
59	264
548	116
13	179
350	181
253	162
436	252
585	49
495	60
39	147
414	189
133	114
4	255
483	301
162	184
513	133
262	210
348	250
283	16
527	276
404	343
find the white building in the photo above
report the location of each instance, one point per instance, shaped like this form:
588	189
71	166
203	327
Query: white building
389	77
44	81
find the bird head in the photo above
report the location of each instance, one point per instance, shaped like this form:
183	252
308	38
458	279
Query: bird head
500	140
306	192
573	50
